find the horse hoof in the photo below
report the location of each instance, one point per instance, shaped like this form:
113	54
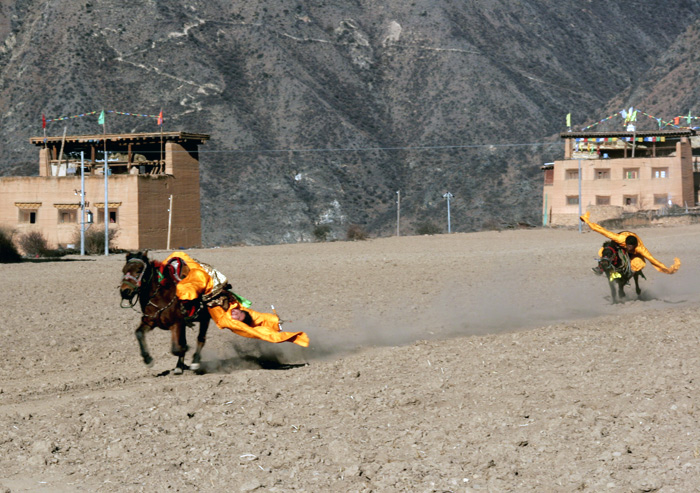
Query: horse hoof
148	362
177	371
194	366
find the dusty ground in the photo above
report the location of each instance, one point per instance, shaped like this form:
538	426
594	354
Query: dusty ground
490	361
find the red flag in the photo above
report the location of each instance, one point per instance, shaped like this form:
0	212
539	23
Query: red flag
677	120
160	118
43	121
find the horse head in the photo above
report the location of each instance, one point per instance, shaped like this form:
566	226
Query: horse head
609	258
136	272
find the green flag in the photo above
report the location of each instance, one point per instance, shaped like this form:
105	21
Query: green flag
101	119
568	119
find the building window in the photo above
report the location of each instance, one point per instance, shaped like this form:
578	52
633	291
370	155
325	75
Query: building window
660	199
113	212
572	200
113	216
602	174
630	200
28	216
630	173
602	200
28	212
67	213
659	173
572	174
67	216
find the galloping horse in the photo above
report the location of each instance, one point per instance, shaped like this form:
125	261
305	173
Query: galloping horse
152	284
615	264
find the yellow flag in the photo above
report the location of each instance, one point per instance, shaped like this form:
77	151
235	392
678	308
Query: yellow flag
568	119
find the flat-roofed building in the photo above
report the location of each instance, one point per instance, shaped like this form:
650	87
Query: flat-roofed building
144	171
616	172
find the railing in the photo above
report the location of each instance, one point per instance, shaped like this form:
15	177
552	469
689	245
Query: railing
71	167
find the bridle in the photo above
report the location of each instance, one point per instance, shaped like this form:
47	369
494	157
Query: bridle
615	260
135	282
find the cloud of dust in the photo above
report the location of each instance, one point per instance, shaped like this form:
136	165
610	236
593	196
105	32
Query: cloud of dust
505	307
508	306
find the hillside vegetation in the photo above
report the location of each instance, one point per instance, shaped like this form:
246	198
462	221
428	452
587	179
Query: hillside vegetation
320	111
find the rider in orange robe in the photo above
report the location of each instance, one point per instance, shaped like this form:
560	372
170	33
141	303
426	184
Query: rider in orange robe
203	280
634	247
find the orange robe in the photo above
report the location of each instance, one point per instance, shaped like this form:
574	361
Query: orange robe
637	258
266	326
196	283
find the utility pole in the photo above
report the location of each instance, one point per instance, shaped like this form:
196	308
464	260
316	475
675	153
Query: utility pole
170	220
580	223
398	212
448	196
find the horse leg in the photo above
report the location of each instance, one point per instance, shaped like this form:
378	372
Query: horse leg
621	288
178	337
613	293
141	337
636	284
201	339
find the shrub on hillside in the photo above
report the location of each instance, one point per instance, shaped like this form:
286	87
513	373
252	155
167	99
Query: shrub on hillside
8	250
428	228
321	232
355	232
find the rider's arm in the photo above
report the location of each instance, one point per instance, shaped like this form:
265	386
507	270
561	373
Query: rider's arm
642	251
193	286
617	238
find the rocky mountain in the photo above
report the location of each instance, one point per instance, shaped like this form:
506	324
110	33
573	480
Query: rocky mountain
320	110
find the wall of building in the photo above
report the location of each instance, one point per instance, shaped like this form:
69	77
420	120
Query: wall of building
646	189
50	191
186	229
141	203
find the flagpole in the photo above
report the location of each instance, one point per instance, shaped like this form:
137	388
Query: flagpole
106	173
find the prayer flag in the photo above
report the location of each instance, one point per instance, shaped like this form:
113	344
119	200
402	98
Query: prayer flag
687	118
101	119
160	118
568	119
623	114
677	120
43	121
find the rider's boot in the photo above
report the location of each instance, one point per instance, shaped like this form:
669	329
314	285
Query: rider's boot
597	270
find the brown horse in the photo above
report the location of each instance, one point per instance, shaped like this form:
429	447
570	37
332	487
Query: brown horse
152	285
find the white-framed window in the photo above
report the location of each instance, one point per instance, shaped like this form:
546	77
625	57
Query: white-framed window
657	173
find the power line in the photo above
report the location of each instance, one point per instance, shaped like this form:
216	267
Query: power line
370	149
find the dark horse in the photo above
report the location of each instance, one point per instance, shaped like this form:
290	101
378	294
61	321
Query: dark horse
153	285
614	262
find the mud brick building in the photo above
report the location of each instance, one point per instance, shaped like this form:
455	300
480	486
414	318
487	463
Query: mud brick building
617	172
144	171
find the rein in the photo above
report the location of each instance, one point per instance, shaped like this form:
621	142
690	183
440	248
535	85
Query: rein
134	282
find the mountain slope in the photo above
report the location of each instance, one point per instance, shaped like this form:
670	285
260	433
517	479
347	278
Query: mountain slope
320	111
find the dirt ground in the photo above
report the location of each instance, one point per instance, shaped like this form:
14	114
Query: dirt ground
468	362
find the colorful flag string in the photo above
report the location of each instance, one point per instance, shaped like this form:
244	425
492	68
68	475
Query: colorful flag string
630	115
45	120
